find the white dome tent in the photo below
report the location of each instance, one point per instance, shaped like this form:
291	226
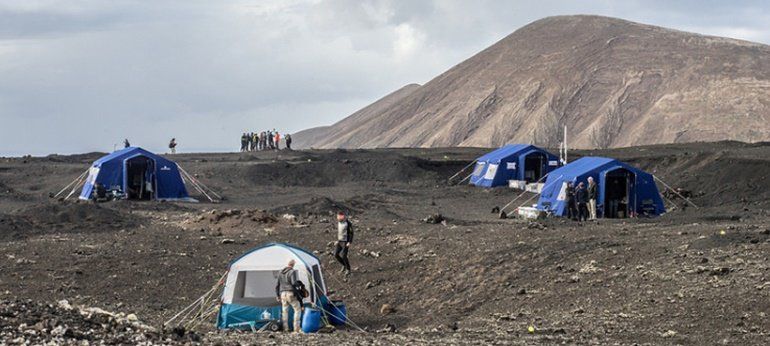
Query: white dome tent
249	288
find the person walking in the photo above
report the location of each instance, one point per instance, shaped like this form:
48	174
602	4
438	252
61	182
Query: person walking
287	140
172	145
126	144
581	198
344	239
571	205
592	198
284	291
277	140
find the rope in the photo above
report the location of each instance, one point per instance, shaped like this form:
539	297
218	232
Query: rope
522	194
464	179
199	183
462	170
80	182
72	182
537	194
205	300
676	192
195	185
347	321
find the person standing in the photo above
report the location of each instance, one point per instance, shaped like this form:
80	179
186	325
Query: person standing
277	140
172	145
581	198
284	291
270	140
344	239
254	141
126	144
287	140
571	205
243	142
592	198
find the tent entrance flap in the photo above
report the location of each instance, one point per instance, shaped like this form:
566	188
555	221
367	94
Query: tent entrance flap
140	178
256	288
619	193
534	166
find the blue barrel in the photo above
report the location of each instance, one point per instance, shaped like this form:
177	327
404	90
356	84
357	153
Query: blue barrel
311	320
339	313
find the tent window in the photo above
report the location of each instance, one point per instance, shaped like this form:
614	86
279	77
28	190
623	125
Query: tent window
479	168
534	167
617	193
318	283
140	178
256	288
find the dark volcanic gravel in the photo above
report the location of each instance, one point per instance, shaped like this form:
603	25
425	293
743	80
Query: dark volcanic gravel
693	276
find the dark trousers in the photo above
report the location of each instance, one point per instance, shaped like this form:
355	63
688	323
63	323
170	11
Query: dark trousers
341	254
572	212
582	212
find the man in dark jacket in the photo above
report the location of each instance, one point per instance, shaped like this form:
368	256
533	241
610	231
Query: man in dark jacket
344	238
581	198
287	140
284	291
571	206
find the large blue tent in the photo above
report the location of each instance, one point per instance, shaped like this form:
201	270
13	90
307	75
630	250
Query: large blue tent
623	190
137	174
513	162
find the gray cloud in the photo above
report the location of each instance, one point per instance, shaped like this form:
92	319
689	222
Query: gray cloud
77	76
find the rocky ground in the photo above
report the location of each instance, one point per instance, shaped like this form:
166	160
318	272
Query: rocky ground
693	276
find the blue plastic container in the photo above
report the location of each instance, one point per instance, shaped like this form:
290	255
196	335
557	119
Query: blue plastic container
311	320
339	313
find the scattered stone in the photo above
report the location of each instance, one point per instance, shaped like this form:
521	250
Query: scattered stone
386	309
434	219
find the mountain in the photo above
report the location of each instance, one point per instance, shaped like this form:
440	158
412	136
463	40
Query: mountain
612	82
352	125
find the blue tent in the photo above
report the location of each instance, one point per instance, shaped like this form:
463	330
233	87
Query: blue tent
137	173
513	162
623	190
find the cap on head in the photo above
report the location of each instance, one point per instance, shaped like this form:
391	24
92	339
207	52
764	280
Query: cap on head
291	263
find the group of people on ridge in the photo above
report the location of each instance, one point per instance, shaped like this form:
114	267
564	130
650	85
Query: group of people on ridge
581	200
290	291
265	140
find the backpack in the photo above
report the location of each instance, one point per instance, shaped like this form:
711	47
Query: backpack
299	290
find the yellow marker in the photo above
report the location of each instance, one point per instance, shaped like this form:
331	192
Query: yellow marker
722	232
531	329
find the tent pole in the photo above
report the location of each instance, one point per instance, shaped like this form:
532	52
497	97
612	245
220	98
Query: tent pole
676	192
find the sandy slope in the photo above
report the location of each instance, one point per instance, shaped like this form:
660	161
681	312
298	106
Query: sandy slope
613	82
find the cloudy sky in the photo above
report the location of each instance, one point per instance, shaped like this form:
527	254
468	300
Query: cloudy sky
81	75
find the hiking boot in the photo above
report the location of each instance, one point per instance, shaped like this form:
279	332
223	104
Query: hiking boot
342	271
